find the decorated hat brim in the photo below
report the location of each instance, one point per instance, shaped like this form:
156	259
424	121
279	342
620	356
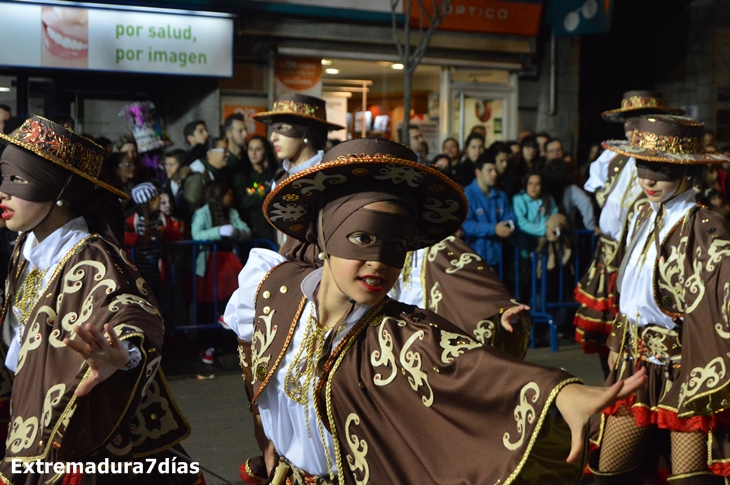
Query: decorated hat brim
622	114
293	205
271	117
51	158
626	148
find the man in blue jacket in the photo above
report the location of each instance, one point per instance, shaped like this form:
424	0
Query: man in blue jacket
490	220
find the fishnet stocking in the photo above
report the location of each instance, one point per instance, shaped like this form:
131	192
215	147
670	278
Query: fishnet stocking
689	452
623	443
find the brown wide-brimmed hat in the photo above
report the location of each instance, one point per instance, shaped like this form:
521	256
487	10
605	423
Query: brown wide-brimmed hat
292	207
297	107
639	103
667	139
63	147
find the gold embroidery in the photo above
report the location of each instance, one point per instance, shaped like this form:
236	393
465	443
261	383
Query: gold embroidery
31	341
670	277
709	376
28	295
53	397
359	449
73	283
524	415
484	331
317	183
433	250
130	299
22	434
463	260
384	356
265	341
410	362
719	327
436	297
454	345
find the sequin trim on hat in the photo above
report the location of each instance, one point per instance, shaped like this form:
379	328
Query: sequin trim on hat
75	155
294	107
674	145
638	102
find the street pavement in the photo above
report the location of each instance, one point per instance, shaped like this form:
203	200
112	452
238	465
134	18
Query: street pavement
217	408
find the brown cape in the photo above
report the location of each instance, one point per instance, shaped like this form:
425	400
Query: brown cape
130	415
410	398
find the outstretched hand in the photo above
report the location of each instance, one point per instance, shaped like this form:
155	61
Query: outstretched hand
577	403
510	314
104	355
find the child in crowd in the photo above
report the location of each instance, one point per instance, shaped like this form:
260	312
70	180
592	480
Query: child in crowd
218	221
539	222
146	229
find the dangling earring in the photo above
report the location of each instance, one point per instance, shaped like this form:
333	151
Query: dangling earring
59	203
321	256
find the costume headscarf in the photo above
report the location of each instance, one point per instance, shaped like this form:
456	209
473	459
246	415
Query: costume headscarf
344	214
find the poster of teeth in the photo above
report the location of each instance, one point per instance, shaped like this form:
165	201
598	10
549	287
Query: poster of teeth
115	40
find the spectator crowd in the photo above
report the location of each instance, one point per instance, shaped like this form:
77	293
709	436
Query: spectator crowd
525	197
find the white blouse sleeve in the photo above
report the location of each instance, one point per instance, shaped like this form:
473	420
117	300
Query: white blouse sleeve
598	171
240	310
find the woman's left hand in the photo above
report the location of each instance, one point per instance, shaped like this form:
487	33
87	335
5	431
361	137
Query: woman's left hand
510	314
104	355
577	403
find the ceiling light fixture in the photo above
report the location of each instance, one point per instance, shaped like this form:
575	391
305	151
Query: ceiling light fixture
326	62
332	70
4	90
397	66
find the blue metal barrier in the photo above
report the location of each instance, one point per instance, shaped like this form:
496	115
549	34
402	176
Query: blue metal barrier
539	304
195	247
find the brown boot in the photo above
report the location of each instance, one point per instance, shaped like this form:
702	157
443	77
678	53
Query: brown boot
698	478
627	477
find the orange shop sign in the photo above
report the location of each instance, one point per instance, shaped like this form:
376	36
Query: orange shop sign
485	16
298	74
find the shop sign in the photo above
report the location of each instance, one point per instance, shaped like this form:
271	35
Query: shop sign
579	17
298	75
486	16
116	40
364	5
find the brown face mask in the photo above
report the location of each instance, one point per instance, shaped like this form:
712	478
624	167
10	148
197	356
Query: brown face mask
29	177
350	231
659	172
292	130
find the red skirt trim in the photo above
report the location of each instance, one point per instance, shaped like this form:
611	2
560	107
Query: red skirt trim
603	327
667	419
599	304
722	469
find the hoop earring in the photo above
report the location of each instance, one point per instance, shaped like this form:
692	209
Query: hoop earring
59	203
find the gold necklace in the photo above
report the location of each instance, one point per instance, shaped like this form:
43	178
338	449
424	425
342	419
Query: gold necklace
28	295
304	365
